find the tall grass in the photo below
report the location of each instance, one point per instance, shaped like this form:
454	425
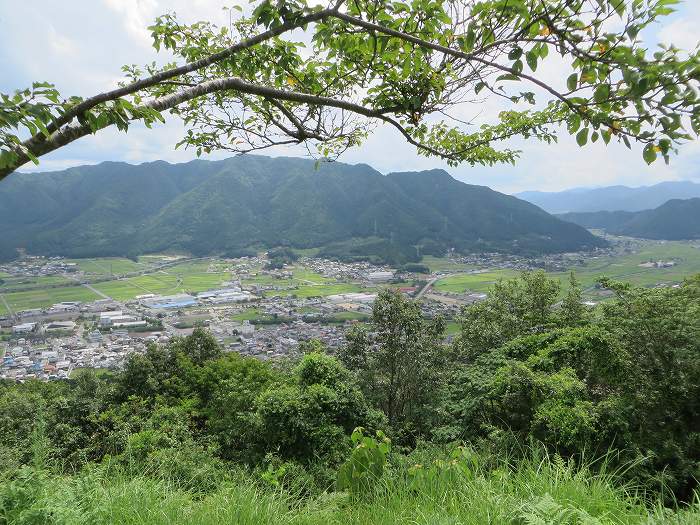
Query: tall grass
424	488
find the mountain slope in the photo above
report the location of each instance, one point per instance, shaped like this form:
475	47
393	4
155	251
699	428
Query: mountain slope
252	201
676	219
612	198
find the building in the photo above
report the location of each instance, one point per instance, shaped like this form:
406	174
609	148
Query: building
95	336
380	277
132	322
246	328
58	326
362	298
171	301
107	318
23	328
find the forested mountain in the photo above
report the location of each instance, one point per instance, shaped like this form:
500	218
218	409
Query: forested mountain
677	219
611	198
229	206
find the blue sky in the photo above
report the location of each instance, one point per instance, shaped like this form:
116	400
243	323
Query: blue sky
80	45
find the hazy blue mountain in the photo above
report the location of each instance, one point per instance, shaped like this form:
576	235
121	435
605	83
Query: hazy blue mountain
248	202
674	220
611	198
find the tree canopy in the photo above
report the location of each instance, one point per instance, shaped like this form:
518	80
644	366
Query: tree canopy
422	67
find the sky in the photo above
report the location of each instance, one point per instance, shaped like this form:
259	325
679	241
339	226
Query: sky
80	45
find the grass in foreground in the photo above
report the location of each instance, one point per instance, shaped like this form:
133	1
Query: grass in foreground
461	491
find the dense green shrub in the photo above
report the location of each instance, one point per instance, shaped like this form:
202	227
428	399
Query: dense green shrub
528	374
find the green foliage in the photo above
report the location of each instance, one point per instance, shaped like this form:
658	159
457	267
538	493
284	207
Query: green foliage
281	256
626	379
513	308
313	415
400	363
365	466
415	268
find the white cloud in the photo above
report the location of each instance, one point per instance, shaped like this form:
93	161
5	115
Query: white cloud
81	45
682	31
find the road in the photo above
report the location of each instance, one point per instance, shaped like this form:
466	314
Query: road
427	287
95	290
86	285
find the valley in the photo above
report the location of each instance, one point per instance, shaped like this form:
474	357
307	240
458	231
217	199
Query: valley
65	305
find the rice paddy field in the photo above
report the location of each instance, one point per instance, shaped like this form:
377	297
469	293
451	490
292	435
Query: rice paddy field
22	293
42	298
165	282
686	257
472	282
14	283
624	267
106	266
443	264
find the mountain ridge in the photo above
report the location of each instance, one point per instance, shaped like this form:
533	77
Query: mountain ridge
234	205
611	198
676	219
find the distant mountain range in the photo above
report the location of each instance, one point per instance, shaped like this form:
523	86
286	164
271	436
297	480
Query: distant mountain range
611	198
674	220
248	202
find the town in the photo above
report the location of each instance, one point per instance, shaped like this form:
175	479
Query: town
119	307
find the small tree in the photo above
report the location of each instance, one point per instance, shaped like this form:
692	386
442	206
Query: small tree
514	307
573	311
399	360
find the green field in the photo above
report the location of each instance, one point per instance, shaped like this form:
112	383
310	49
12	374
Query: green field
165	282
443	264
621	267
46	297
626	267
15	283
477	282
108	266
248	314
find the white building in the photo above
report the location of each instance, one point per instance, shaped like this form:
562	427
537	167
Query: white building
380	277
108	318
23	328
362	298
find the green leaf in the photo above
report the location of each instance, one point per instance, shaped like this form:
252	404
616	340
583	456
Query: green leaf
573	123
531	59
582	137
649	153
601	93
572	82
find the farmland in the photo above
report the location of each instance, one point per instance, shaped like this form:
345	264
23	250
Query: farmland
473	282
197	275
624	267
45	297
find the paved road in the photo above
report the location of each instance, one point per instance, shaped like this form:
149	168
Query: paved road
427	287
88	286
95	290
